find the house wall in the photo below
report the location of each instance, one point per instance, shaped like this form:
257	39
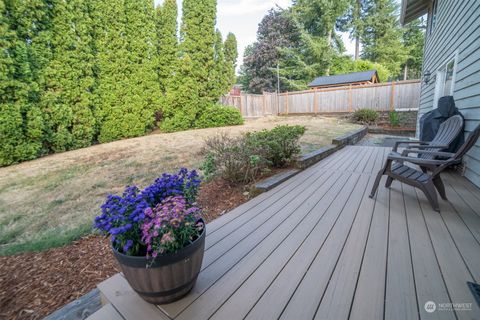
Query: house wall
457	31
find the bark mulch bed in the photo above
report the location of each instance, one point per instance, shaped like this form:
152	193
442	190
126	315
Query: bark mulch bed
33	285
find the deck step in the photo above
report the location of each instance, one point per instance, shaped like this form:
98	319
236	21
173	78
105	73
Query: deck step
275	180
107	312
117	292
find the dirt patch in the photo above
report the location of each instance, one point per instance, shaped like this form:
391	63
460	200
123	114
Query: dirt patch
33	285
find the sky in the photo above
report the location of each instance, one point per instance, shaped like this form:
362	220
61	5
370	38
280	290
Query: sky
241	17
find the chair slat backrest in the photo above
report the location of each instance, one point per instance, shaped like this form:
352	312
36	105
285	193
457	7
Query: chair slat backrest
469	143
447	132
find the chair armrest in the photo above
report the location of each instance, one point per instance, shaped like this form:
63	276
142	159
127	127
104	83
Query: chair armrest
398	143
429	147
417	161
433	153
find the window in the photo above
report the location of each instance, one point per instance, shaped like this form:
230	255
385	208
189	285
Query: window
433	16
445	80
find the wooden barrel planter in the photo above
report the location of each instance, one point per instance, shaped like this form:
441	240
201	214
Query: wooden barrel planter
169	278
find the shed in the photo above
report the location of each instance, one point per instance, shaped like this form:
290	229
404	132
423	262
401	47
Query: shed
354	78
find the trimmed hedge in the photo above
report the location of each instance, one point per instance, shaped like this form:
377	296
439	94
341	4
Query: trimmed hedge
219	116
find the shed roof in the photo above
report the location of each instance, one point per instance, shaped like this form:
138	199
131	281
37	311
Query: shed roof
412	9
344	78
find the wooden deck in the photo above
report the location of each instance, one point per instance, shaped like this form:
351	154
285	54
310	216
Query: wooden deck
316	247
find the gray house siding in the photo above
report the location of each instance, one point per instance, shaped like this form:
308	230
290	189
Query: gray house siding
457	31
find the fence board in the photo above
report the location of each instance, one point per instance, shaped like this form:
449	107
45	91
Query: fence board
381	97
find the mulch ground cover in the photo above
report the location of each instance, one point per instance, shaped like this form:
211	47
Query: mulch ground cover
33	285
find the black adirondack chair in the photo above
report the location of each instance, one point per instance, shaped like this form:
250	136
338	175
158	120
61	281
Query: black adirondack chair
396	169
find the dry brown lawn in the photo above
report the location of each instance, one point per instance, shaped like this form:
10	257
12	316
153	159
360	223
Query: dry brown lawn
49	201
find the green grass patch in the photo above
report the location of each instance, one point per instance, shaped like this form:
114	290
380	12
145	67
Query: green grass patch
51	239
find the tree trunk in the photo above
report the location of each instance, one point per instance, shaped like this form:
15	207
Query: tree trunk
357	36
329	44
405	72
357	47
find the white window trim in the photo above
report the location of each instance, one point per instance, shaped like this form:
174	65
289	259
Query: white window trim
439	78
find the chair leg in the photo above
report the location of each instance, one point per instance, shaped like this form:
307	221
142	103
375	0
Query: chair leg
389	181
379	177
377	182
431	194
437	181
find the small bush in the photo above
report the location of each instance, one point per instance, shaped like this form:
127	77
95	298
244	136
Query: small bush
233	158
242	159
281	143
394	118
219	116
365	116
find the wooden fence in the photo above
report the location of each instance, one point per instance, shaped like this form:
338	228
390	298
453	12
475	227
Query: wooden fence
402	95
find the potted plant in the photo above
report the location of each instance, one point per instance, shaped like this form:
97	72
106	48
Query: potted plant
157	235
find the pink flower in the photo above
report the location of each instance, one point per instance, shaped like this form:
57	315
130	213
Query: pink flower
166	238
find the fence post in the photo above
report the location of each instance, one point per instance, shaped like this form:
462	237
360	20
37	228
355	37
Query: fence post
392	96
286	103
350	99
315	101
263	104
241	106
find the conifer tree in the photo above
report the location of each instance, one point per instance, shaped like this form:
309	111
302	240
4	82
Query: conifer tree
21	122
127	92
143	82
112	67
219	82
167	42
182	105
67	99
198	40
231	55
382	35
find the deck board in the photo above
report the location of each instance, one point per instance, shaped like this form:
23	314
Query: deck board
317	247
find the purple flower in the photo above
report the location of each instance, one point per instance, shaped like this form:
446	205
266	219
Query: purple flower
127	245
123	217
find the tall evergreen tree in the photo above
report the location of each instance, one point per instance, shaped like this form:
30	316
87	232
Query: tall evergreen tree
413	40
319	19
218	79
167	42
127	92
231	56
197	41
112	63
382	35
21	122
67	100
353	23
182	105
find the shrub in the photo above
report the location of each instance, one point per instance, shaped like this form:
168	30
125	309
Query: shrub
242	159
219	116
233	158
281	143
365	116
394	118
123	217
